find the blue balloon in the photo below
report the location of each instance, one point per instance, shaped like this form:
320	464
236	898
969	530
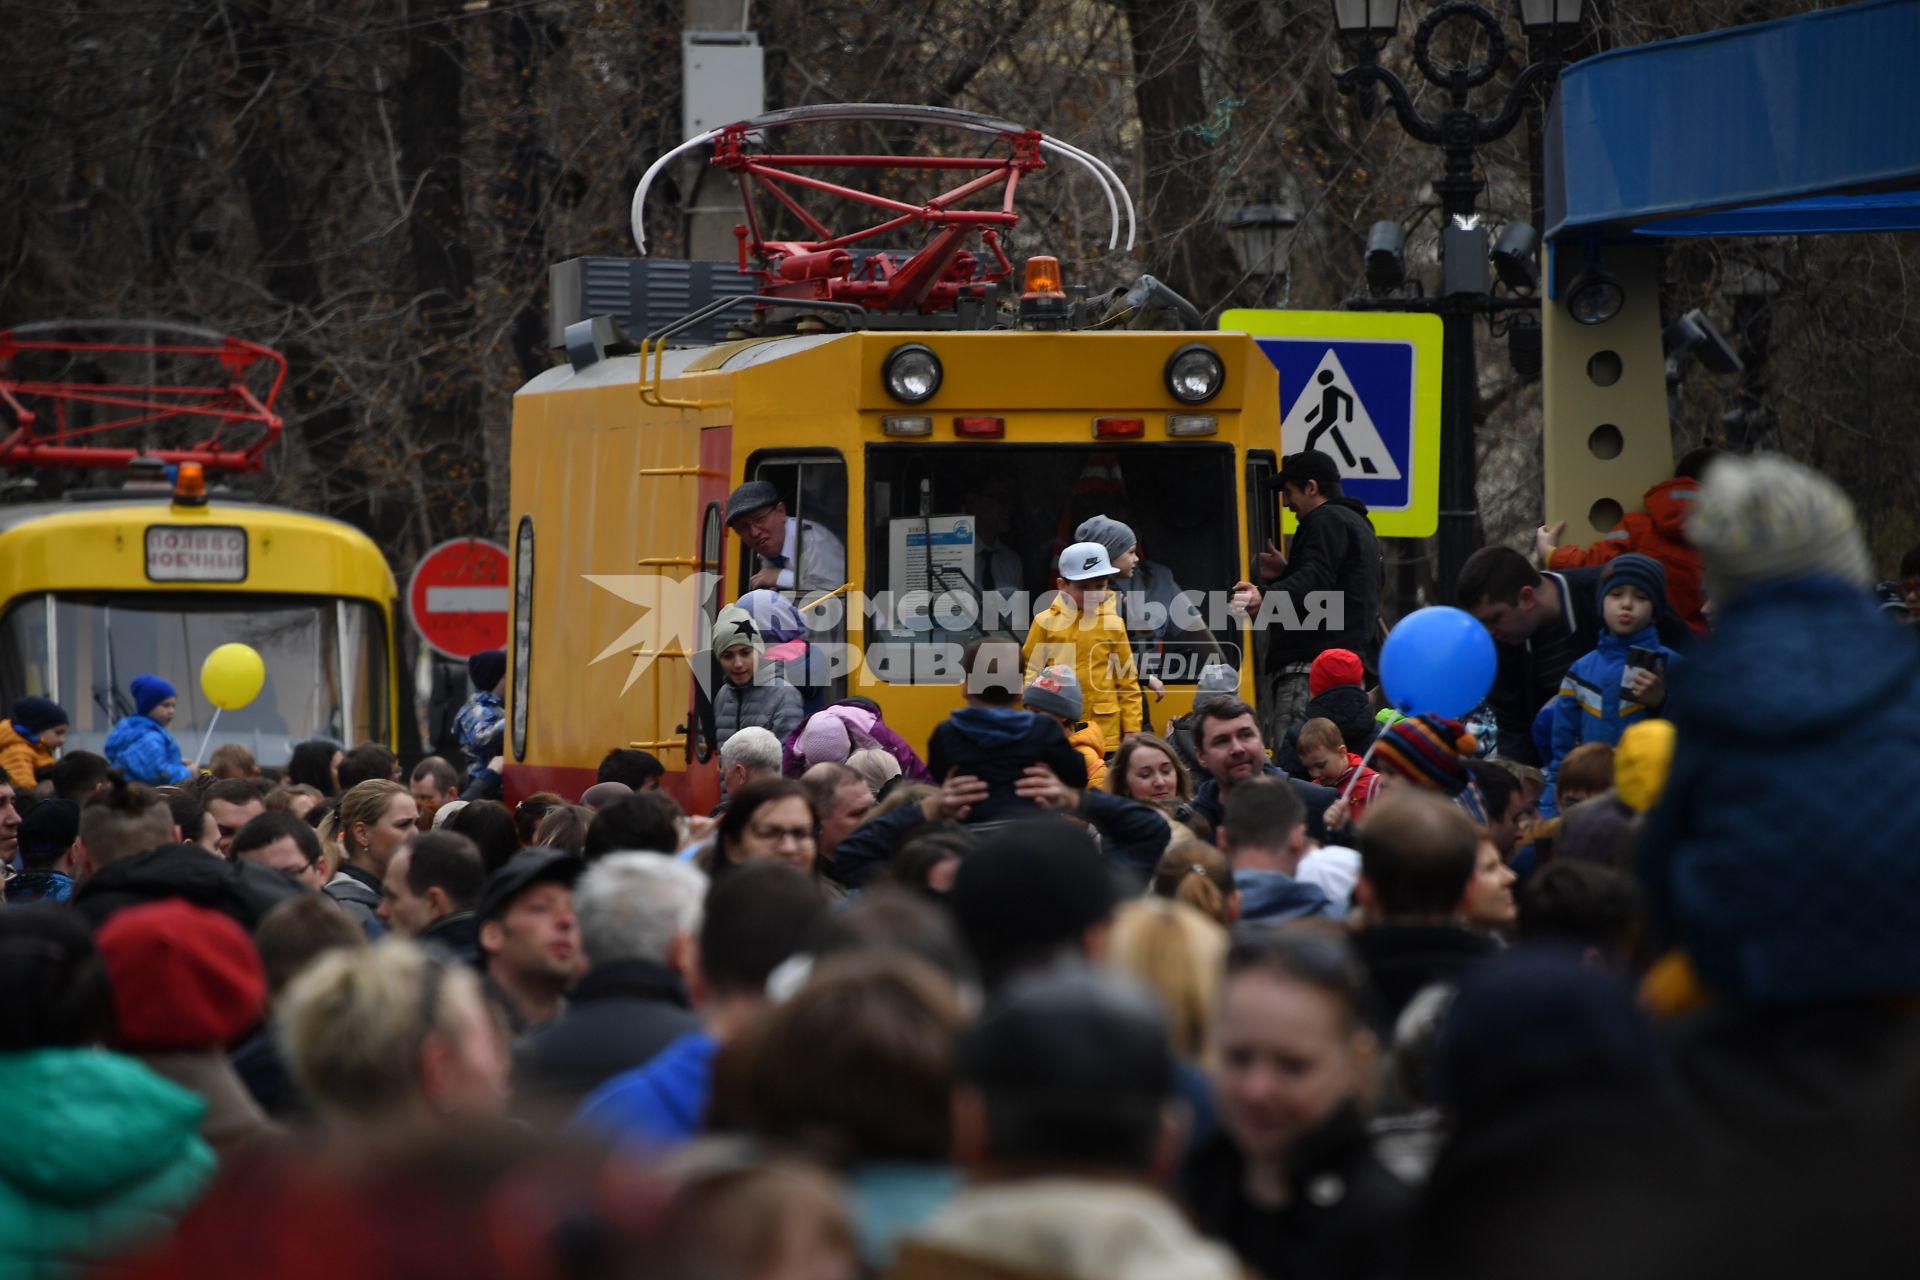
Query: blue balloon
1438	661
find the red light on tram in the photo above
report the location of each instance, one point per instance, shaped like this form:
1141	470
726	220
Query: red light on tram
980	428
1118	428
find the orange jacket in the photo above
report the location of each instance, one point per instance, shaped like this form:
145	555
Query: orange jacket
1659	531
1092	746
20	758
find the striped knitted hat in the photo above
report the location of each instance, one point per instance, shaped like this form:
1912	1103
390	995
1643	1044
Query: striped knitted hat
1426	751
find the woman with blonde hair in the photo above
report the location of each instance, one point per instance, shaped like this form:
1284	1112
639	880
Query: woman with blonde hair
359	838
1178	952
393	1044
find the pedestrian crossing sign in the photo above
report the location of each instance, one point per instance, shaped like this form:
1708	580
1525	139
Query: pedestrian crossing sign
1364	389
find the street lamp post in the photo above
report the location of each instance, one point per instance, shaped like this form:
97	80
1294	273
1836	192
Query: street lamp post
1256	231
1459	132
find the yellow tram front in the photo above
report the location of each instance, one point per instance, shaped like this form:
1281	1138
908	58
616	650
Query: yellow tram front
623	559
100	588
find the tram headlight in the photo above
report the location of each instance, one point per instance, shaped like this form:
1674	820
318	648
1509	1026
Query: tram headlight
1195	374
912	373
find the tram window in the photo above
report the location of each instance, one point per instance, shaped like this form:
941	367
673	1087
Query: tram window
702	725
813	486
522	633
962	540
312	648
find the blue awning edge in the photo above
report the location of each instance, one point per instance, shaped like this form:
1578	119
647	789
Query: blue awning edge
1809	124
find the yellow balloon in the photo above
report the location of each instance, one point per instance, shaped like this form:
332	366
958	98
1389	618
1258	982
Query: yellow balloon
232	675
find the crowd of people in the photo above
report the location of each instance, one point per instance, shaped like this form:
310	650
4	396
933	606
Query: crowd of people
1309	991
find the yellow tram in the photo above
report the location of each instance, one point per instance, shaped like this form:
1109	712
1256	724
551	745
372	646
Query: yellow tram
940	417
153	571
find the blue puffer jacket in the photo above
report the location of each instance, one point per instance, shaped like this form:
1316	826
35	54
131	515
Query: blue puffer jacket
1761	861
1592	707
144	751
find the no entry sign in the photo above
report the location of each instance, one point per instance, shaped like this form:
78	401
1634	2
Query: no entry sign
458	597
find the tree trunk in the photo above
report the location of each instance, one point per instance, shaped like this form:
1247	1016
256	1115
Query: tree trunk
281	213
1185	244
445	413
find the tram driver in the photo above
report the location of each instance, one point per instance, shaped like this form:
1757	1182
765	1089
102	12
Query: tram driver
792	552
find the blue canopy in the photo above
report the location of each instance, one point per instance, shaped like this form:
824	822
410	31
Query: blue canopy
1805	125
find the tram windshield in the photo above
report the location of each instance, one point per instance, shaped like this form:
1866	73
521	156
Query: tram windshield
963	540
325	676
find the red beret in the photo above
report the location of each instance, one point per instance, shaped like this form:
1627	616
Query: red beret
182	977
1333	668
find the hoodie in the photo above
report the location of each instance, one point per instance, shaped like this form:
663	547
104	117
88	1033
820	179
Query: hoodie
996	744
1267	897
101	1155
1659	531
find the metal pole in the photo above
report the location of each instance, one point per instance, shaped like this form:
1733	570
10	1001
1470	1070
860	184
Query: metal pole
1459	535
1459	192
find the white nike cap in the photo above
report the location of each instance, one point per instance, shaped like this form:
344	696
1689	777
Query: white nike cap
1085	560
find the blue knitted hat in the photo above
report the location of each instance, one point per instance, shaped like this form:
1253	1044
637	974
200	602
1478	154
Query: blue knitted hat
1634	570
149	692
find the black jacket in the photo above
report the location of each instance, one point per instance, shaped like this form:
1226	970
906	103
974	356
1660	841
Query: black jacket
617	1017
1402	960
1344	1218
1350	710
995	745
1132	837
1209	804
457	932
243	890
1334	549
258	1063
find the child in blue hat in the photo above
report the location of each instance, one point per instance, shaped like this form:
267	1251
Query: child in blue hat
140	746
1624	680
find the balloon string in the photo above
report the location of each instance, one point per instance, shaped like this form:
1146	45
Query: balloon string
200	756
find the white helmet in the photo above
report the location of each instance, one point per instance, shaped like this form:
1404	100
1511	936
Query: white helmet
1084	560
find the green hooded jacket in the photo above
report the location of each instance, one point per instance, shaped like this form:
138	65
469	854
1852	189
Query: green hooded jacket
100	1155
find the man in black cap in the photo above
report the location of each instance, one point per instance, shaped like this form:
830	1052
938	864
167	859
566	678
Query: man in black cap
1066	1119
1332	583
529	943
793	552
48	852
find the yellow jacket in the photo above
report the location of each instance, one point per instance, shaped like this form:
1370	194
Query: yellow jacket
1101	656
1092	747
21	758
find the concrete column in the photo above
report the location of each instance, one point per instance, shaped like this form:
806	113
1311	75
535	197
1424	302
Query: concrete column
1605	398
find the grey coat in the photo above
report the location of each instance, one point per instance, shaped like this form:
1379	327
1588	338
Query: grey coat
774	705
